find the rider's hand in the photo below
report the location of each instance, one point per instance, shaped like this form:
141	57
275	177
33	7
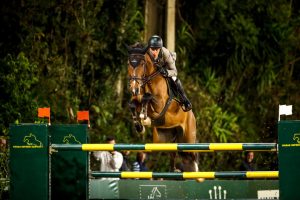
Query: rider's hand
163	71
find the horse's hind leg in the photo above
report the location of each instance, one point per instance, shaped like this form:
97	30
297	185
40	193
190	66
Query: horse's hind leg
172	161
155	135
189	159
165	136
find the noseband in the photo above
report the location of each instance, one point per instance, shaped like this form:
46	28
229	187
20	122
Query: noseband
135	60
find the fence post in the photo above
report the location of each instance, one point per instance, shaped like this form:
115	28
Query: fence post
69	169
29	165
289	160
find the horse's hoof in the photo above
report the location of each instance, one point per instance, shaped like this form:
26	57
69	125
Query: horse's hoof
146	122
139	128
200	180
177	170
142	115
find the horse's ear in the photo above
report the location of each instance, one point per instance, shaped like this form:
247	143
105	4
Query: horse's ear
129	49
145	49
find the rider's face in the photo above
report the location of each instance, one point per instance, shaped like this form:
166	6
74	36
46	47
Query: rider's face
155	52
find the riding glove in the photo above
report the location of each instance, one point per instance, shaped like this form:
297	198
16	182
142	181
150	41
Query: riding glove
163	71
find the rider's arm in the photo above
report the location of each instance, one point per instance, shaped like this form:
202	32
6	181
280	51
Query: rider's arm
170	62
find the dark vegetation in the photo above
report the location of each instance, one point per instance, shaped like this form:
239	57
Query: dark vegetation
238	60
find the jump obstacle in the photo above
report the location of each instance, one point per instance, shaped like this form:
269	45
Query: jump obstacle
198	147
189	175
38	172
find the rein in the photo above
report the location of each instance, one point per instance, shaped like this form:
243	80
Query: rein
145	79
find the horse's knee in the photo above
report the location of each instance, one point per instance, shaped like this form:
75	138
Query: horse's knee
139	127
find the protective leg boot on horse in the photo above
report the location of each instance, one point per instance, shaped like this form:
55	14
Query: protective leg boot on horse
186	104
138	125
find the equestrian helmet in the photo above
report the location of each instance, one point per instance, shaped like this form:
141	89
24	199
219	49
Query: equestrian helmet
155	42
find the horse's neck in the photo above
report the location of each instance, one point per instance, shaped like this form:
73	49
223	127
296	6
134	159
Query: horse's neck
157	85
150	64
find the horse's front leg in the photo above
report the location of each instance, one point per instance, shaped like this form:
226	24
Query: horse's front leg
189	161
133	109
144	115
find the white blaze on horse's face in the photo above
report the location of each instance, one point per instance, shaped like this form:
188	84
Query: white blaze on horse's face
135	85
136	74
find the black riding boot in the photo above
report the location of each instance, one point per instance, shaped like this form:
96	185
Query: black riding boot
186	103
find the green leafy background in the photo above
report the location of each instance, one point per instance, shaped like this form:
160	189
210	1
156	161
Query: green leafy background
238	60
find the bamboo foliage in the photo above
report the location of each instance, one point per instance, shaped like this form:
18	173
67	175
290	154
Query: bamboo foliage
237	60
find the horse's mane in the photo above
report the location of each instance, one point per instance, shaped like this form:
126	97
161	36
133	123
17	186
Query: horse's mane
137	45
137	48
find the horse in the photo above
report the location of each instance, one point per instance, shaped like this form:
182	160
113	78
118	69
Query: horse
153	104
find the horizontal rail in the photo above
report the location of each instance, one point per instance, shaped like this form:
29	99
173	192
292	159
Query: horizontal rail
184	147
189	175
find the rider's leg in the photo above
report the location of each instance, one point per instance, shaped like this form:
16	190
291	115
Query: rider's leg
186	103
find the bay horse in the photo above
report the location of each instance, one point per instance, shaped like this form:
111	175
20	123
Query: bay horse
153	104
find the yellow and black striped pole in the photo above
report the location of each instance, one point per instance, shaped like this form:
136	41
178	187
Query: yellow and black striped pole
184	147
189	175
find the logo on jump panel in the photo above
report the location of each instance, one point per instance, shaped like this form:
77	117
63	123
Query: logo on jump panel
30	141
295	143
297	137
70	139
217	193
153	192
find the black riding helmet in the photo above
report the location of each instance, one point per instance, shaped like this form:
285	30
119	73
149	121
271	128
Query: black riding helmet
155	42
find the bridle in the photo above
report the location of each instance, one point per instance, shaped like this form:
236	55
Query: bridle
140	96
134	60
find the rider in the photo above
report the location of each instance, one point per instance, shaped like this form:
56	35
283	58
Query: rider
163	58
